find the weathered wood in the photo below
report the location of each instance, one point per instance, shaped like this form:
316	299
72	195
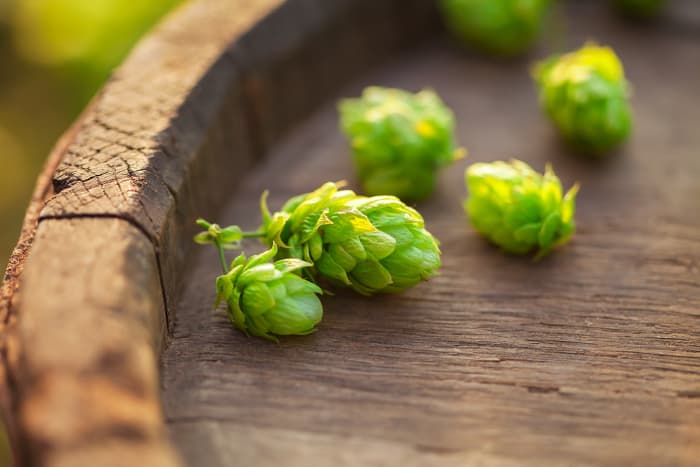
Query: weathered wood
589	357
183	112
139	144
81	357
163	121
299	53
14	271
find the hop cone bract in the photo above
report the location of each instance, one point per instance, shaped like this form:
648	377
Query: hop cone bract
585	94
518	209
500	27
268	299
371	244
399	140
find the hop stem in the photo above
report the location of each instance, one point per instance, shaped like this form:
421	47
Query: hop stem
222	257
220	247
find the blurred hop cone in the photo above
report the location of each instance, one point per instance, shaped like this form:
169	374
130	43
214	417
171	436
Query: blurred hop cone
500	27
399	140
585	94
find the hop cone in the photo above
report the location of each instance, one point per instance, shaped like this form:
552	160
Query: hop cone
500	27
518	209
371	244
399	140
585	95
268	299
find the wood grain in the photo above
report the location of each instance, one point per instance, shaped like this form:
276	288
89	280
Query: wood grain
82	357
589	357
150	130
104	245
296	56
165	120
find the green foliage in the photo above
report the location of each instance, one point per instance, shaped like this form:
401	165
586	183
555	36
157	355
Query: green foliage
268	299
585	94
640	8
518	209
229	237
399	140
499	27
99	32
370	244
82	40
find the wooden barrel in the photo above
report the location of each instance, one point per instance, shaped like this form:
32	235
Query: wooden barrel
112	355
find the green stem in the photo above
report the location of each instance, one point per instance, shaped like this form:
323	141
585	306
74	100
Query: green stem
222	257
202	223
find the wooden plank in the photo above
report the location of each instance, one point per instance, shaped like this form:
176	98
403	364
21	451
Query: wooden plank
175	116
15	269
150	121
153	128
589	357
161	123
81	360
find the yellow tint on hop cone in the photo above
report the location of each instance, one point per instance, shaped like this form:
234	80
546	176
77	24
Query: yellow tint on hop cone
585	94
371	244
519	209
399	140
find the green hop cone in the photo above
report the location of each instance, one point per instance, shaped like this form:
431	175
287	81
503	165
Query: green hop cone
640	8
500	27
370	244
399	140
585	95
518	209
269	299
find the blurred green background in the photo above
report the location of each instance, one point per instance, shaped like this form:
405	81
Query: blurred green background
54	56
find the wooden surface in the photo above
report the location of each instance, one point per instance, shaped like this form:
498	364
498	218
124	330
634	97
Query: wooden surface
85	299
83	313
589	357
92	382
